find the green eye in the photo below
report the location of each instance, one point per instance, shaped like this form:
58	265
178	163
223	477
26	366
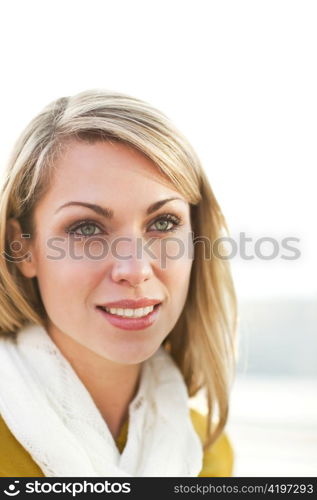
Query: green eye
88	229
167	223
85	230
162	225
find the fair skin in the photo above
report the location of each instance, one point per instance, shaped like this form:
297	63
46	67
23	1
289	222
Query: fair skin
105	357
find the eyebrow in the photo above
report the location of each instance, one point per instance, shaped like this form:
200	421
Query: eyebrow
108	213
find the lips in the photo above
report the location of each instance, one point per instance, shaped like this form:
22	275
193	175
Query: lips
127	323
131	303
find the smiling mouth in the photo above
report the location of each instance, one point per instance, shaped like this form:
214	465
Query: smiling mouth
130	313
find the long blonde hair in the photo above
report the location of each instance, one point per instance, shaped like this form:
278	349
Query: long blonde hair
203	341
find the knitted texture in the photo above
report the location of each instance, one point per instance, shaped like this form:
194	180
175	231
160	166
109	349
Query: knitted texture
50	412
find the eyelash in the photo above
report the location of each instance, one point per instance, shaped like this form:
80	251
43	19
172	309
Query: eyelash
175	219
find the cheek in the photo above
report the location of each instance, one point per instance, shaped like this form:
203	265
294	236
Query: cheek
175	268
174	252
65	282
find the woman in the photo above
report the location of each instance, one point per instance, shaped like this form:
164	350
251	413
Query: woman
114	311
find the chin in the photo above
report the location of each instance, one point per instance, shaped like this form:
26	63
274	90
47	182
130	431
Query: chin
130	353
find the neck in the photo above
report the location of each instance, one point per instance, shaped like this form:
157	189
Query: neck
111	385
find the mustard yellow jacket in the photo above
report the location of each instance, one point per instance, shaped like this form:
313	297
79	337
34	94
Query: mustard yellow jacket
15	461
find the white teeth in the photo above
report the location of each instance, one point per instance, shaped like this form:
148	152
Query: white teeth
130	313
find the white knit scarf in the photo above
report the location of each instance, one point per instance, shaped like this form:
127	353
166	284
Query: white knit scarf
50	412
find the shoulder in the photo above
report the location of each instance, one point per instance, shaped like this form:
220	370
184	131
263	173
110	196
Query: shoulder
218	457
14	459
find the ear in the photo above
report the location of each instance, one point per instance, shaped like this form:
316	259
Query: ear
20	249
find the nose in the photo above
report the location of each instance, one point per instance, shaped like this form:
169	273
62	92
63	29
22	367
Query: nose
131	265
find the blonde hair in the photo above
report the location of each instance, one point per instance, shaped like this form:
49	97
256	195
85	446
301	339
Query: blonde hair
203	341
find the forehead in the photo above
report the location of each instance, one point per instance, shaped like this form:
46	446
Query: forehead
109	157
105	171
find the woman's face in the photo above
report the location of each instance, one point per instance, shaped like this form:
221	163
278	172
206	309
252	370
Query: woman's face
119	249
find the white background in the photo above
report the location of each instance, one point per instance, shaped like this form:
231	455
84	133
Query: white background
239	79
